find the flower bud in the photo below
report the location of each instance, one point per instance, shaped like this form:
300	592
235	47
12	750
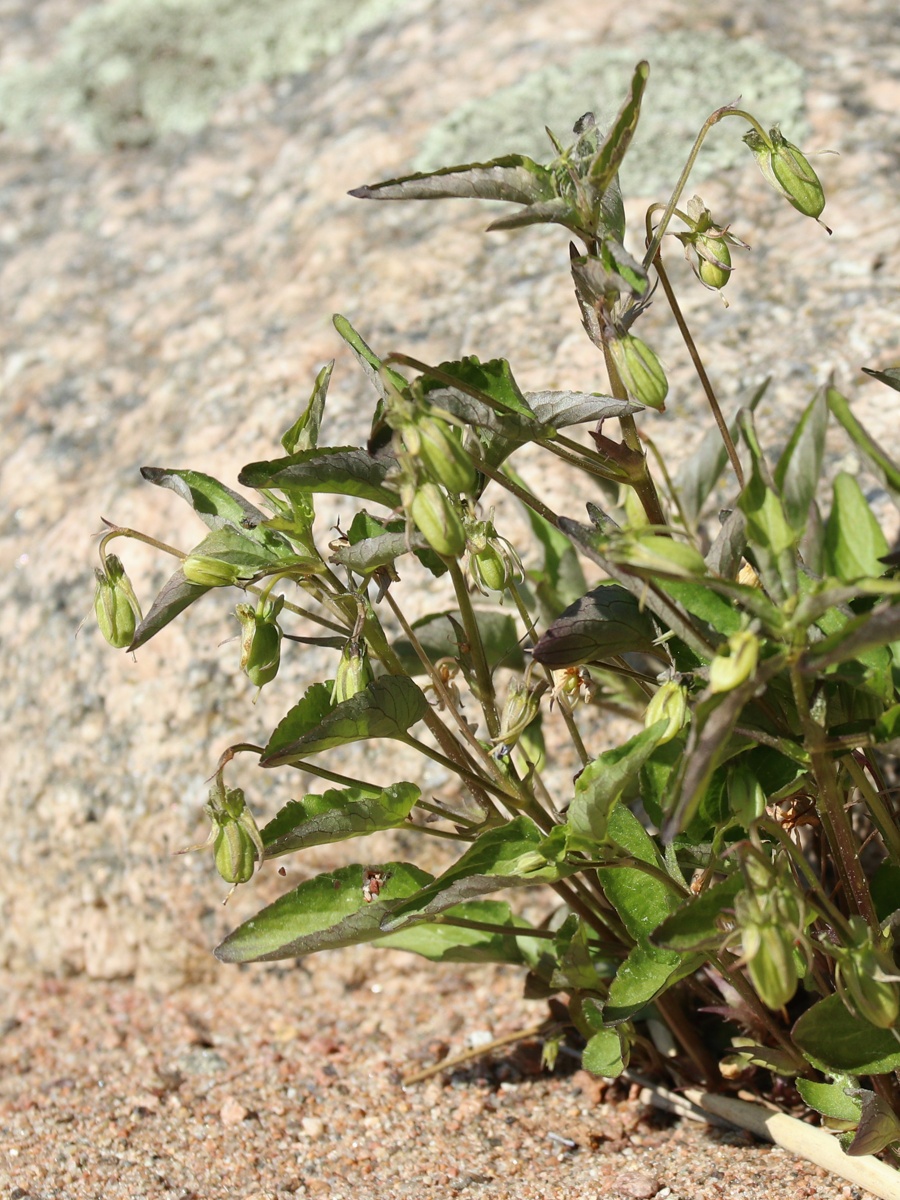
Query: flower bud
788	171
260	640
433	442
438	521
640	371
209	572
115	604
669	703
354	672
728	671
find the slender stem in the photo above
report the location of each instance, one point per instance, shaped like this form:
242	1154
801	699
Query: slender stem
463	772
484	684
699	368
438	833
671	1012
728	111
880	814
446	814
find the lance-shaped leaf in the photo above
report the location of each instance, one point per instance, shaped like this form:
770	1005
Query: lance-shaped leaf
551	212
307	714
879	1125
304	433
340	470
215	504
506	857
368	359
768	529
253	557
601	784
875	629
387	708
442	942
889	376
338	814
322	914
885	467
561	409
642	900
606	621
174	597
833	1039
854	543
514	177
608	159
798	470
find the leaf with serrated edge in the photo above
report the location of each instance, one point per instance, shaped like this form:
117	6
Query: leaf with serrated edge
385	709
337	814
306	715
322	914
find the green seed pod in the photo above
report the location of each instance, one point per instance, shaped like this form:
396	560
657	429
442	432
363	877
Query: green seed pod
608	620
433	442
714	261
260	640
115	604
209	572
522	705
235	853
728	671
640	371
489	570
788	171
746	798
354	672
669	703
438	521
768	948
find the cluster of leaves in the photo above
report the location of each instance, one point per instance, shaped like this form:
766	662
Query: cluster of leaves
733	869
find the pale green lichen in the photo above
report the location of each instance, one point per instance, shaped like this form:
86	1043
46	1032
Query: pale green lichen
128	71
687	70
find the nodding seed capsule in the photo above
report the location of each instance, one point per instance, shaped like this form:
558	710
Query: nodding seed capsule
442	453
788	171
206	571
115	604
354	672
260	640
438	521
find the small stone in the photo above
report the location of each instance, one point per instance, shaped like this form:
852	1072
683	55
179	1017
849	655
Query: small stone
637	1185
313	1127
232	1112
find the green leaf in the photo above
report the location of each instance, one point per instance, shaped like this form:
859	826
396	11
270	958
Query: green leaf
609	157
252	556
451	943
642	901
890	376
695	925
304	433
340	470
606	621
385	709
853	538
440	635
602	783
174	597
368	359
513	177
701	601
562	409
885	467
768	529
835	1040
491	382
698	474
871	631
885	888
645	973
506	857
366	528
306	715
337	814
605	1054
322	914
800	466
831	1099
214	503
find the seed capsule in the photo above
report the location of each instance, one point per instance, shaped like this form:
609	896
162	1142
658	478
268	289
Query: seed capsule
640	371
788	171
669	703
209	572
115	604
354	672
438	521
442	453
260	640
727	671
